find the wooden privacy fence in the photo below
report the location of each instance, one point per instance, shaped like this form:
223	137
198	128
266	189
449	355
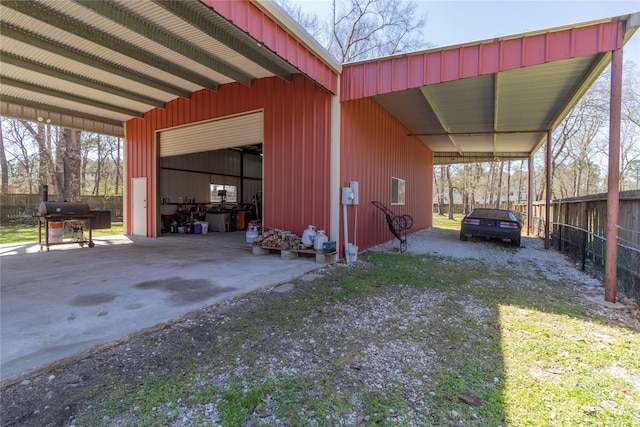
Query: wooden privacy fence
590	213
22	207
579	229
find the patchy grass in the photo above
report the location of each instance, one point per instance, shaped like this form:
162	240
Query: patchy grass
444	223
392	340
25	233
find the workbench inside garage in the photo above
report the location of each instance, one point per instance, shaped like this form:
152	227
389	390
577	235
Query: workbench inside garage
227	220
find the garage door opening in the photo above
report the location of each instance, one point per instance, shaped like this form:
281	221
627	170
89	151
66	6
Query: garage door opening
210	178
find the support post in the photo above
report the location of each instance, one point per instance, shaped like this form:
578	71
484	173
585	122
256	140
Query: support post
613	200
530	196
334	205
547	213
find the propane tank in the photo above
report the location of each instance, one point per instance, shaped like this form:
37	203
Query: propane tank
319	240
308	236
252	234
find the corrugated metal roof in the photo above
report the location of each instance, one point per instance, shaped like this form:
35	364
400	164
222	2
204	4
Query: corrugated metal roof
492	99
131	55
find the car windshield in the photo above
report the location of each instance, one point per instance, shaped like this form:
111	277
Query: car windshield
491	213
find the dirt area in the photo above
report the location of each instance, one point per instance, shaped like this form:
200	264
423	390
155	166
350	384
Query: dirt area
57	394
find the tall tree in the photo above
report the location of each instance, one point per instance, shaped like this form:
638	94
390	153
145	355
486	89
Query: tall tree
309	21
364	29
450	187
72	161
439	187
499	185
630	123
47	173
4	164
508	192
116	157
20	149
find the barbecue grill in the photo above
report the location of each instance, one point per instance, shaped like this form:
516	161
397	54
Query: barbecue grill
76	216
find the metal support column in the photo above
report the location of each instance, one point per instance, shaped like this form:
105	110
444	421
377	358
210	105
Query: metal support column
613	201
530	195
547	208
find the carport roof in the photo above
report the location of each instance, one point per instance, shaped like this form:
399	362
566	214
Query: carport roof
94	65
493	99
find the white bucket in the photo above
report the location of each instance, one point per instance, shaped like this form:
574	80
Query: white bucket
353	252
205	227
56	232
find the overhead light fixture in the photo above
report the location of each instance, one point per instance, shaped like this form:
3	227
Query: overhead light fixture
42	119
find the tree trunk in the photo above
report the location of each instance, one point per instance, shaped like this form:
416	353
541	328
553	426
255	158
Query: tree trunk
508	192
117	162
98	169
438	191
489	190
58	162
465	188
4	165
499	186
520	180
72	161
449	183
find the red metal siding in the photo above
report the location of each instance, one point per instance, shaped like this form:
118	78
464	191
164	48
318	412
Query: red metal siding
376	147
297	141
405	72
249	18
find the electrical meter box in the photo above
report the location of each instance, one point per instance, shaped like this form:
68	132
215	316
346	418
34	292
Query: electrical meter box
350	194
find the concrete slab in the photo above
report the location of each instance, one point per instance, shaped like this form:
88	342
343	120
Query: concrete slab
60	303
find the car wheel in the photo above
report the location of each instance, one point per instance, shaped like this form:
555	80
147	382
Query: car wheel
463	237
515	243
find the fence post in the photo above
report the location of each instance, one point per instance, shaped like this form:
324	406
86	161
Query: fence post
584	248
559	228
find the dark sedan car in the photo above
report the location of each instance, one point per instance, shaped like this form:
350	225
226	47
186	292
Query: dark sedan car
491	223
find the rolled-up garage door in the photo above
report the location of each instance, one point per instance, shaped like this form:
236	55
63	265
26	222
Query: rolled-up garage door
225	132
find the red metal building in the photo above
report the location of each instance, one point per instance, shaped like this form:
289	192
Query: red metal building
179	79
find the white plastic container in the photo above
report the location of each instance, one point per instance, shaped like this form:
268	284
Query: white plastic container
252	234
56	231
308	236
319	240
205	227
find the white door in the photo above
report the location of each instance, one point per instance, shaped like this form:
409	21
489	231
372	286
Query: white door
139	206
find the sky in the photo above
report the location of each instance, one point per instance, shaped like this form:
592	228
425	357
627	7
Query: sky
460	21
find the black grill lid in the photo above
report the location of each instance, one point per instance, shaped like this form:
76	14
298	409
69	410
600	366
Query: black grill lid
63	208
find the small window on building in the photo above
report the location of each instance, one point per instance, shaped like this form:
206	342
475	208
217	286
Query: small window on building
397	191
217	192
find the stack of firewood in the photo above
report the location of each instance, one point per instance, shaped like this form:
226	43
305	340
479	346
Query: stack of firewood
278	239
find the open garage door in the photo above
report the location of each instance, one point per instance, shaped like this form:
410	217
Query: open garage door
211	171
228	132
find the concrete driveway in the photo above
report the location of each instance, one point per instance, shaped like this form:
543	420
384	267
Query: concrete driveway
67	301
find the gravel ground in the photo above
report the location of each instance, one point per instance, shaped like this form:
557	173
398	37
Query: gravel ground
328	336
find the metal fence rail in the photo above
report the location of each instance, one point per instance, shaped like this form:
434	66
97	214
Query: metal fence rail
588	248
23	207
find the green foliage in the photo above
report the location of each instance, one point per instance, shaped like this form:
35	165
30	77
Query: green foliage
444	223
